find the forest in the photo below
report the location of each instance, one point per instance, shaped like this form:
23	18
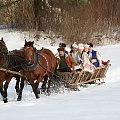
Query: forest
74	20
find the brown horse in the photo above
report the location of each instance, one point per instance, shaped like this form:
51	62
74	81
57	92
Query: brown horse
41	63
9	61
3	63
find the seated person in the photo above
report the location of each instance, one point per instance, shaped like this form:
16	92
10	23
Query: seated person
76	54
95	57
63	45
79	57
87	65
65	62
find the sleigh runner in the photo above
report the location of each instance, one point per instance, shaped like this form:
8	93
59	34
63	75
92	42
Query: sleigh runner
74	79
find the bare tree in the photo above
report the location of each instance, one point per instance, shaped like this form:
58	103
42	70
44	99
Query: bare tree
74	21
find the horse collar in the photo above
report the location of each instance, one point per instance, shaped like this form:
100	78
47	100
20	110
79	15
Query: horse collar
32	67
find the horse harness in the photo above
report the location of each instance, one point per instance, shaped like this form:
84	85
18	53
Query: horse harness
10	57
47	68
37	59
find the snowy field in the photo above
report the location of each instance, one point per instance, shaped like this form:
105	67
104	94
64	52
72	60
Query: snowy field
92	103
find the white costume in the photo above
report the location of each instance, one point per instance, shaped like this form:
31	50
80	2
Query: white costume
87	65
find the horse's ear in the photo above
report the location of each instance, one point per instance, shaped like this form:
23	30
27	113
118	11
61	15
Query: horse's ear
2	38
25	42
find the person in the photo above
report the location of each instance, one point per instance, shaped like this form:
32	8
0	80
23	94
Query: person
74	52
87	65
63	45
95	57
79	66
80	51
65	62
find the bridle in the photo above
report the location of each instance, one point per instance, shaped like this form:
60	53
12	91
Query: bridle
28	56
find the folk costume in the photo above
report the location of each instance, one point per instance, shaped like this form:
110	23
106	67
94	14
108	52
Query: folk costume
94	58
65	63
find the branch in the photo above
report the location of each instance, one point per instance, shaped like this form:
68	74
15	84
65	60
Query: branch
8	4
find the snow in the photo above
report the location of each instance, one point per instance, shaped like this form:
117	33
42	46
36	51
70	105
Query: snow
95	102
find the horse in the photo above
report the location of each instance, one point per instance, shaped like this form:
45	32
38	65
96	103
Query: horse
12	60
42	63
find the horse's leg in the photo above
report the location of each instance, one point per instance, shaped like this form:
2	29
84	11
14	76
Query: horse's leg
49	85
21	89
1	89
35	90
43	87
40	78
17	84
5	90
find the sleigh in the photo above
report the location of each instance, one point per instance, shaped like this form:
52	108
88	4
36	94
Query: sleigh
74	79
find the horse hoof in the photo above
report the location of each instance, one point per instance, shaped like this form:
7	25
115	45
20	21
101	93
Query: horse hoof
37	97
19	98
5	101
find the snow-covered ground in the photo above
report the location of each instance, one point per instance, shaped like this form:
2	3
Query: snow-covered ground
91	103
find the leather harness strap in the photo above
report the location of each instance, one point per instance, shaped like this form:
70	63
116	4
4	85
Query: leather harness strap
47	68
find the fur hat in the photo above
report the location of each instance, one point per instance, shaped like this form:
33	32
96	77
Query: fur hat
80	46
74	45
61	49
86	46
62	45
90	44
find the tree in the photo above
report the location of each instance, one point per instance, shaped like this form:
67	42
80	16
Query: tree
7	4
76	20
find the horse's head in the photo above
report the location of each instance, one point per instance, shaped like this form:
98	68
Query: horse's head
29	44
29	51
3	52
3	48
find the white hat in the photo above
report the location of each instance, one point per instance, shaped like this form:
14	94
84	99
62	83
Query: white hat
75	45
86	46
80	46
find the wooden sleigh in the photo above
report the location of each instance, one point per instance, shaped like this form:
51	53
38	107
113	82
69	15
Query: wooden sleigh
74	79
